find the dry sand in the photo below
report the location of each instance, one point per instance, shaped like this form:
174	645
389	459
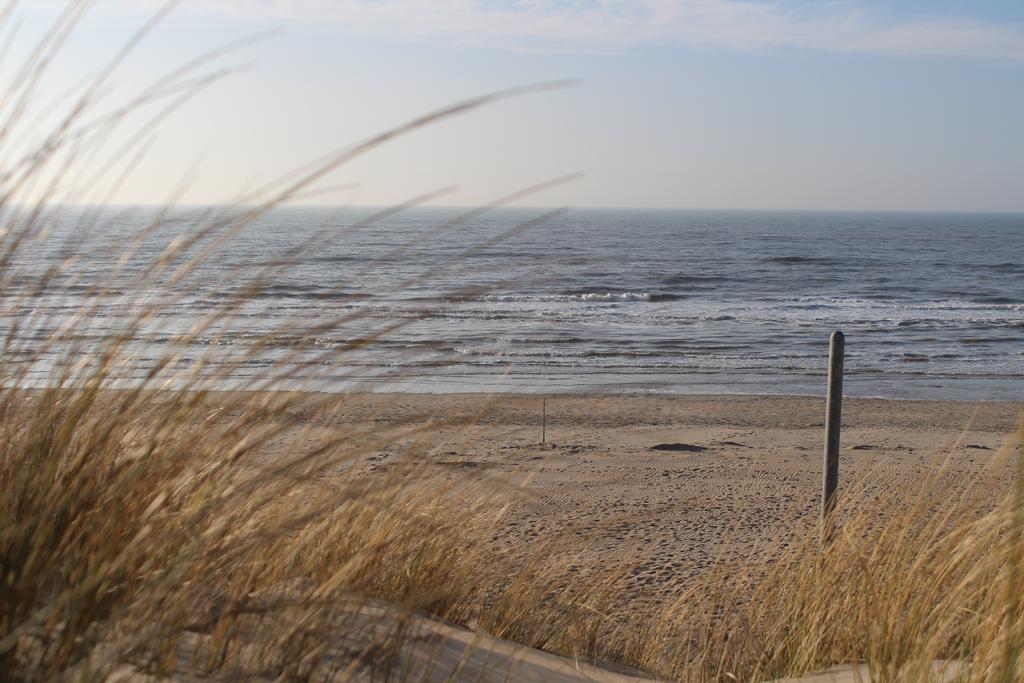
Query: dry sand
736	475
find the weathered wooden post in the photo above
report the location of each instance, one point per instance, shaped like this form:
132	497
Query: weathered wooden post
833	424
544	422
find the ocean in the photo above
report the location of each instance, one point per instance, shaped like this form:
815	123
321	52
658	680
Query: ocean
581	301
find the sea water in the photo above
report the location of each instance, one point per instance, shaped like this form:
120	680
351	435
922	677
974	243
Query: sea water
441	300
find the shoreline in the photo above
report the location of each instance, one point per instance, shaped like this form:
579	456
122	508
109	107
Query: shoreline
632	395
655	395
612	384
581	394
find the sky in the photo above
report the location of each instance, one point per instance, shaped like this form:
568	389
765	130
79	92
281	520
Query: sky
736	104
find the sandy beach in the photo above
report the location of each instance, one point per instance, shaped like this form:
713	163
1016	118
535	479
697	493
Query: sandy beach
670	484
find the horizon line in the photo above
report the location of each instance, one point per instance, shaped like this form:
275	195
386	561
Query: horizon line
547	207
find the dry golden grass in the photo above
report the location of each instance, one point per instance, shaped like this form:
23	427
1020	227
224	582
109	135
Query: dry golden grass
163	526
917	577
133	521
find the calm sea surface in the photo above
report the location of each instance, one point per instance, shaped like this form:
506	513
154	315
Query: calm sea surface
662	301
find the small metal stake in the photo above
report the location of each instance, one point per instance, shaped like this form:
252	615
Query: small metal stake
833	424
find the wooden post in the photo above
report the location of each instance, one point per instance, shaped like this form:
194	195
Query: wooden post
833	424
544	423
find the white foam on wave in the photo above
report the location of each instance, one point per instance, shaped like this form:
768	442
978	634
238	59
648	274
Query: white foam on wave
612	296
557	298
808	302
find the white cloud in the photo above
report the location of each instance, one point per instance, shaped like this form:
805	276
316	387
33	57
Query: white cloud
749	25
